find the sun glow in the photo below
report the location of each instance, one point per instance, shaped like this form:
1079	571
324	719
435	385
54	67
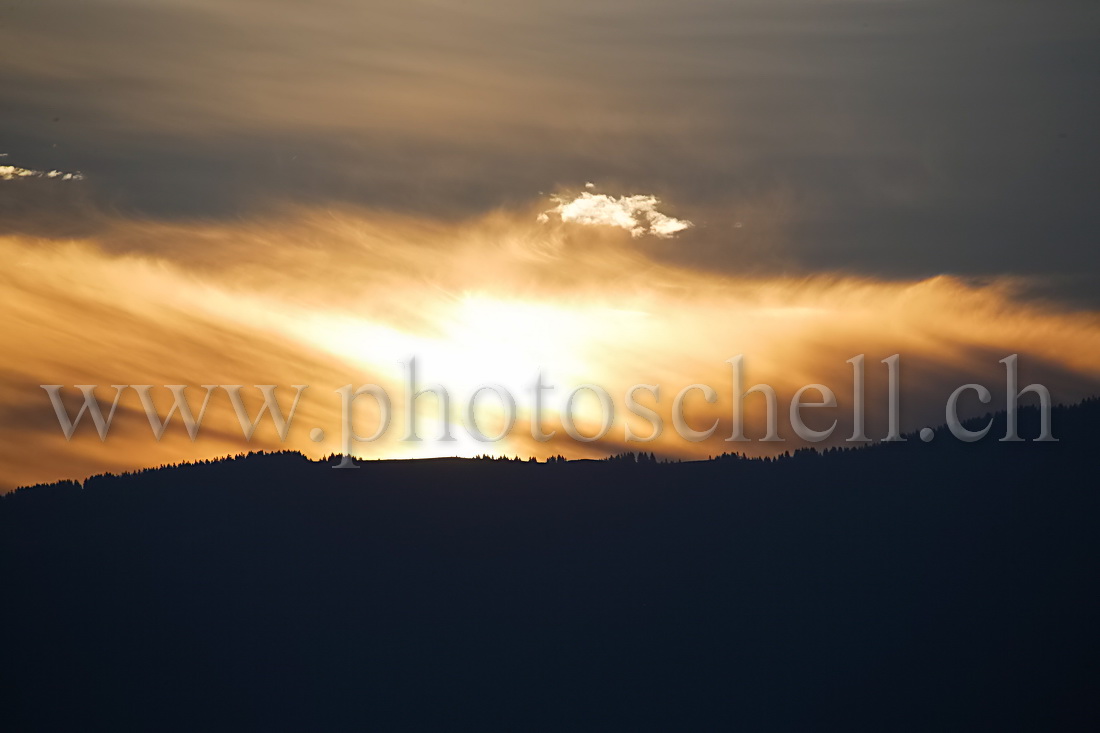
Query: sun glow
496	301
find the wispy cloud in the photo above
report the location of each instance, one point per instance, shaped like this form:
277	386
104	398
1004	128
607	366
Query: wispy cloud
637	214
325	297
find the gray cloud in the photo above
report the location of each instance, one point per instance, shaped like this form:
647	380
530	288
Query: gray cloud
895	139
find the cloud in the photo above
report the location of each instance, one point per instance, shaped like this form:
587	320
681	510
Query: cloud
327	297
14	173
637	214
234	113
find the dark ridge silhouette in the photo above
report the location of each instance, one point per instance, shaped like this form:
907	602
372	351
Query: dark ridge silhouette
902	586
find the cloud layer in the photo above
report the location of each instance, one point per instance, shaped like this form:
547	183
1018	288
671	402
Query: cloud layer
277	193
825	128
328	297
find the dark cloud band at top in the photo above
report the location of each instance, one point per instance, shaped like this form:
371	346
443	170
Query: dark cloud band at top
900	139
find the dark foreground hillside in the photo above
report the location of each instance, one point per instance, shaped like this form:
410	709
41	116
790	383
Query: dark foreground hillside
940	586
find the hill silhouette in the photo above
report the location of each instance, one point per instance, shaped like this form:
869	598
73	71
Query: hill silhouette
904	586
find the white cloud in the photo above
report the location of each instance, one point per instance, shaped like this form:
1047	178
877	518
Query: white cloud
637	214
14	172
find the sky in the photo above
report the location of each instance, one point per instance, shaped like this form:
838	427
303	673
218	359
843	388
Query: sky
198	192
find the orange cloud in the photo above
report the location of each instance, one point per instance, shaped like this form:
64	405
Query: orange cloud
333	297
